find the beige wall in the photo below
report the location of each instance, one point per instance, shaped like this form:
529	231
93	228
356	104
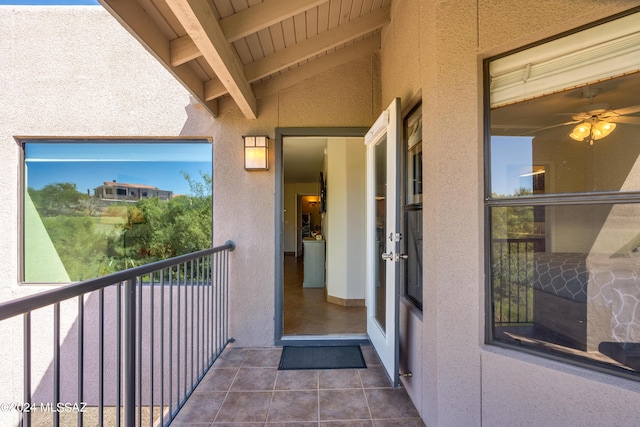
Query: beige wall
244	202
345	218
438	47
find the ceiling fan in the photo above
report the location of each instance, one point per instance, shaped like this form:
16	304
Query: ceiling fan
597	121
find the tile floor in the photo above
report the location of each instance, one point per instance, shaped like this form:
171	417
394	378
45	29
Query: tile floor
307	312
245	388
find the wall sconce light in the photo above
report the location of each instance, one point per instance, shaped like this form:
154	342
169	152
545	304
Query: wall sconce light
256	153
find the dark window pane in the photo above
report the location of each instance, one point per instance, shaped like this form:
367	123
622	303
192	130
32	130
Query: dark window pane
574	290
413	279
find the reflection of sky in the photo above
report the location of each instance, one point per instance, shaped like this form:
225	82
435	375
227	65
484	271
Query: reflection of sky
511	157
88	165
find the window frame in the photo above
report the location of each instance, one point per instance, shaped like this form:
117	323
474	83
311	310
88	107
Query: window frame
543	200
412	105
23	140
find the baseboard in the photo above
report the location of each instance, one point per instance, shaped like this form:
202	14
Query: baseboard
345	302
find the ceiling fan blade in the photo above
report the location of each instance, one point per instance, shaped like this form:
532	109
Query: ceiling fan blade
558	125
628	110
625	119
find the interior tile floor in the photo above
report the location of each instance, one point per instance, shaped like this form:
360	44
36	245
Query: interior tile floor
307	312
245	388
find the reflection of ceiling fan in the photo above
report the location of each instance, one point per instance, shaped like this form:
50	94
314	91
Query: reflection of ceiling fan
597	120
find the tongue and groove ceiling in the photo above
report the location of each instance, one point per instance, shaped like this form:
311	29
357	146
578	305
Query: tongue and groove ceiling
222	48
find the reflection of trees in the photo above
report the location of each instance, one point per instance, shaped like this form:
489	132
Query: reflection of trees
513	247
60	198
124	235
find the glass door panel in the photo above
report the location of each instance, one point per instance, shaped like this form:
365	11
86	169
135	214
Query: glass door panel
381	231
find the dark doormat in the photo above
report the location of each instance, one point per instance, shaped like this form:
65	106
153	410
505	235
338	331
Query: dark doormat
327	357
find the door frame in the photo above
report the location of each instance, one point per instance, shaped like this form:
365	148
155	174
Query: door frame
300	340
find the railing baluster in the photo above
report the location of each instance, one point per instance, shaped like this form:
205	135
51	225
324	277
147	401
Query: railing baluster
193	338
80	355
119	352
178	336
225	317
139	350
210	306
171	341
221	303
101	357
210	300
197	353
162	347
26	365
218	305
56	362
186	327
186	332
129	353
151	325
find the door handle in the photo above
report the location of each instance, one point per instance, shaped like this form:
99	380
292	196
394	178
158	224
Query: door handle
387	256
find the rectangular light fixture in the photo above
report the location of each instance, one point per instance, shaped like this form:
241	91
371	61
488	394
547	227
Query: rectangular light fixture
256	153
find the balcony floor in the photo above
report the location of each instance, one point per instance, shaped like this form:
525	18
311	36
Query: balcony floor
245	388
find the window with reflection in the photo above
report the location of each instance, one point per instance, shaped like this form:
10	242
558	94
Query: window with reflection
563	197
94	207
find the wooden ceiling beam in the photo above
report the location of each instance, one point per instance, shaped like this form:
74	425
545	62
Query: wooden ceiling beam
263	15
316	45
243	23
183	50
214	89
199	22
338	57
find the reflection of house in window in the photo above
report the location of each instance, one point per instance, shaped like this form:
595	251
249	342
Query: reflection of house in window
129	192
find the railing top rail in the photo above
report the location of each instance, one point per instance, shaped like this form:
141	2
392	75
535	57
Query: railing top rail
29	303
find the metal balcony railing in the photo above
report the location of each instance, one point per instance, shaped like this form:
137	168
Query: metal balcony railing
512	265
125	349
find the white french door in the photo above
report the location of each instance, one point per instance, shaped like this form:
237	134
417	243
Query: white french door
383	237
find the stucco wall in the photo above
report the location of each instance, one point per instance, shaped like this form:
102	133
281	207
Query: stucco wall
438	47
74	71
244	201
70	71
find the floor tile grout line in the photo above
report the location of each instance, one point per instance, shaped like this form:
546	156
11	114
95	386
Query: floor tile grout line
226	395
318	394
367	400
273	390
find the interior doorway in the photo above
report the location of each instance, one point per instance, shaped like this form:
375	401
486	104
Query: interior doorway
320	283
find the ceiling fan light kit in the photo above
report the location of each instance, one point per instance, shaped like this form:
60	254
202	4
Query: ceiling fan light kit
599	129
